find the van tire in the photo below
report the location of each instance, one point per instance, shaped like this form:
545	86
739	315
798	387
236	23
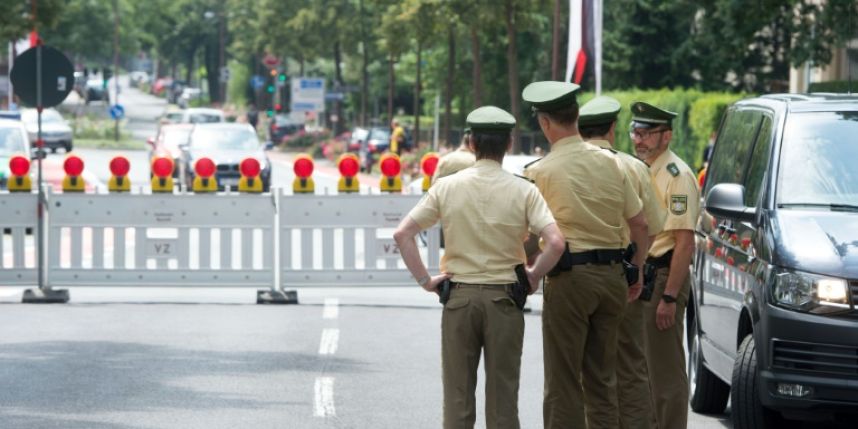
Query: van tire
708	393
748	412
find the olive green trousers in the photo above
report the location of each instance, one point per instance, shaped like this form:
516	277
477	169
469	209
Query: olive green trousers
665	357
581	315
481	319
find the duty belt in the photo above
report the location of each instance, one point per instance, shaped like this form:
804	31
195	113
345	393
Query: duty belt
662	261
597	257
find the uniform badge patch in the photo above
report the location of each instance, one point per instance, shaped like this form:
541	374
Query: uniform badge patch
673	169
678	204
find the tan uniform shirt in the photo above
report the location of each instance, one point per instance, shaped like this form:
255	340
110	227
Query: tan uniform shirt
486	214
588	192
676	189
452	162
638	173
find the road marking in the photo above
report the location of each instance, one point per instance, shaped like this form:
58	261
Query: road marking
332	308
330	337
324	405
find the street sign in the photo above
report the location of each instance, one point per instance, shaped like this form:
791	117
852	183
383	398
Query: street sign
57	77
270	60
117	112
308	94
334	96
256	82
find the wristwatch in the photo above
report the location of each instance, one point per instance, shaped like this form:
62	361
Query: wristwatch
424	280
670	299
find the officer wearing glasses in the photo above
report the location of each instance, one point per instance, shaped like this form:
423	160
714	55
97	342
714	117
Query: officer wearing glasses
676	188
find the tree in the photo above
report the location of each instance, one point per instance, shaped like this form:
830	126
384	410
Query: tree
17	18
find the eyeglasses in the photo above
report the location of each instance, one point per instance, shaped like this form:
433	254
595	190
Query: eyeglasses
637	135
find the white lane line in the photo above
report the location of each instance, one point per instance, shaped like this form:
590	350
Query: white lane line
324	404
332	308
330	338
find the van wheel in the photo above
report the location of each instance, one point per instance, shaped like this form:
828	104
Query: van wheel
748	412
708	393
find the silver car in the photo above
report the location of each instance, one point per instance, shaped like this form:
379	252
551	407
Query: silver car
56	132
13	141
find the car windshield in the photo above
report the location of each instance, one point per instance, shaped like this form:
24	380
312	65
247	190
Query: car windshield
380	134
818	160
48	116
173	138
203	118
225	139
11	141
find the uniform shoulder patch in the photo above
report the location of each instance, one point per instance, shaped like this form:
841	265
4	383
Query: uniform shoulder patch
678	204
673	169
525	178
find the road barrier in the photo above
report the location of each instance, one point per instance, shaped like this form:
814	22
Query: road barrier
18	225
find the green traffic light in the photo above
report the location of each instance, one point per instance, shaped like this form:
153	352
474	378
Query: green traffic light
270	113
271	89
282	78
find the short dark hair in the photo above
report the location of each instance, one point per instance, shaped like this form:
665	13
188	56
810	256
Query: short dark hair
565	116
490	145
595	130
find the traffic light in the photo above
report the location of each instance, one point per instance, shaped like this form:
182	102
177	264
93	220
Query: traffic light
106	74
273	72
270	89
270	113
278	107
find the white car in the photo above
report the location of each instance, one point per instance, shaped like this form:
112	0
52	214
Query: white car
56	132
13	141
202	115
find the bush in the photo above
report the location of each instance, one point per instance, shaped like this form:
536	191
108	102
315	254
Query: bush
841	86
87	127
698	115
304	139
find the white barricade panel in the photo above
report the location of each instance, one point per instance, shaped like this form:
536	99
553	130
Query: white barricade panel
205	240
347	240
18	217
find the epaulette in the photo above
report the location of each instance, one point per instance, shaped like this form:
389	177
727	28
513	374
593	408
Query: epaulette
525	178
673	169
531	162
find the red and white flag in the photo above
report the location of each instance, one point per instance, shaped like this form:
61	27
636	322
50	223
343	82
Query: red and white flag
584	52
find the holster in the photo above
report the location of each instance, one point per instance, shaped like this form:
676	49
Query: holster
520	289
632	271
563	264
649	282
444	291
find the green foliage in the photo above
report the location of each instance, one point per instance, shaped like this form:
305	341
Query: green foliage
699	114
236	88
305	140
839	86
97	128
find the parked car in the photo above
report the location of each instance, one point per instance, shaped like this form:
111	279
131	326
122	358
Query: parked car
378	139
226	144
357	139
10	114
773	313
283	126
189	94
95	91
56	132
202	115
169	142
13	141
173	115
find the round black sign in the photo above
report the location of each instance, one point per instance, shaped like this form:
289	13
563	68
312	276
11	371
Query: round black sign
57	77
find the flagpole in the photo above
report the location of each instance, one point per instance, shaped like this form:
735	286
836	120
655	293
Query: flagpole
575	37
597	43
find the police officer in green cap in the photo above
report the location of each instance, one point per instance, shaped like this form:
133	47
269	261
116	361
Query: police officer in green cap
485	213
592	199
598	124
459	159
676	189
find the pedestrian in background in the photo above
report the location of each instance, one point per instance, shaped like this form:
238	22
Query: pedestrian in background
456	160
671	253
598	124
585	295
486	213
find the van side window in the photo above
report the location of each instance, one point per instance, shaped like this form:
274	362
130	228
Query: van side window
732	147
758	164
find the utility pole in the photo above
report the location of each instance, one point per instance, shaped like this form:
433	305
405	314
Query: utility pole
116	64
222	84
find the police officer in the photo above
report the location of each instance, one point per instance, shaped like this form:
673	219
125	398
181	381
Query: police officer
486	213
591	198
456	160
676	189
598	124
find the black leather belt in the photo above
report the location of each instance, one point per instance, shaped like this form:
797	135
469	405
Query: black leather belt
597	257
662	261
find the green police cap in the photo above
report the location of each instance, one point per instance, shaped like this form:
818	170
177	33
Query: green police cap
645	115
548	96
490	118
601	110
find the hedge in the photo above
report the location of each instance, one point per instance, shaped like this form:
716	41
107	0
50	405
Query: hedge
841	86
699	114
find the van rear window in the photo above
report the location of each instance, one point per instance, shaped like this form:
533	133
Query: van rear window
819	159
